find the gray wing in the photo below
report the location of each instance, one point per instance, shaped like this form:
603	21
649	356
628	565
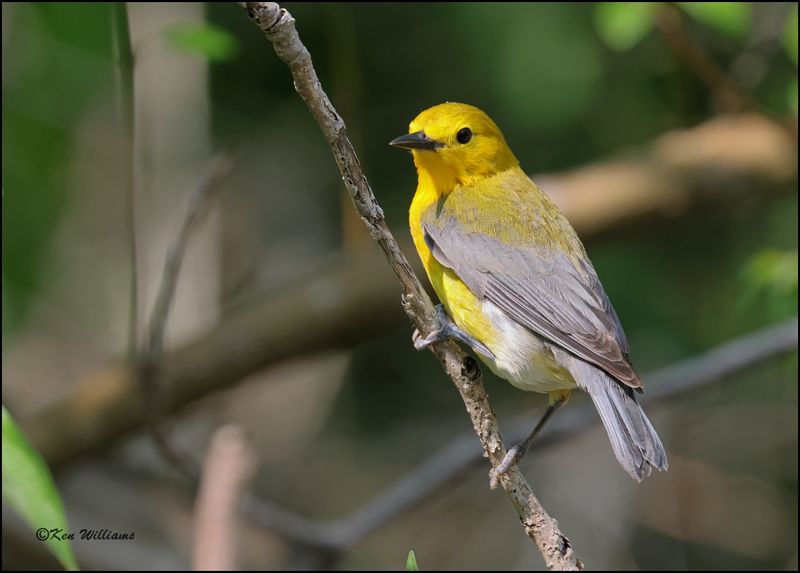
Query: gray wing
539	288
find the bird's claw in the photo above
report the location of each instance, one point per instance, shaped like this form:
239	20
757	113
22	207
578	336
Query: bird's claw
423	342
512	456
446	329
440	333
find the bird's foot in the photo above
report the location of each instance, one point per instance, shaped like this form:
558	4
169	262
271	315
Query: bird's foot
557	399
512	456
446	329
423	342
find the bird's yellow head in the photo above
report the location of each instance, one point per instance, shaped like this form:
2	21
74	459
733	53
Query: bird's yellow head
456	144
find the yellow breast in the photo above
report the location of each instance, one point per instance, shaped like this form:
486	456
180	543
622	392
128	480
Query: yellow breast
462	305
520	356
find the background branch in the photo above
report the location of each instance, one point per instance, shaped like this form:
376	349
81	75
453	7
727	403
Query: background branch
730	97
278	25
728	94
330	540
461	453
229	464
123	58
150	359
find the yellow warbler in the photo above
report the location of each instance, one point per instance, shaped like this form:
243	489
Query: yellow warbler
515	281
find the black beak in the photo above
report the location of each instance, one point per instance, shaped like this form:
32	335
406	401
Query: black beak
416	140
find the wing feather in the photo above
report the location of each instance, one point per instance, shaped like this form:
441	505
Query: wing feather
557	296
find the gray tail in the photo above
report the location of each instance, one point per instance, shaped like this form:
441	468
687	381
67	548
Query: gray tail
633	438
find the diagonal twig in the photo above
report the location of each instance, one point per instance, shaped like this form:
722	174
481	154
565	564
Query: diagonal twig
278	26
150	359
729	95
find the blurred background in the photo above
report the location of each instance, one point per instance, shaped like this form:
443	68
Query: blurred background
666	132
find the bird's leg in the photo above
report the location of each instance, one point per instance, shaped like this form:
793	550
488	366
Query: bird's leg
446	329
515	454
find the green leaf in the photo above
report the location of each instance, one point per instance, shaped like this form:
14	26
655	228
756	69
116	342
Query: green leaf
790	35
773	269
791	95
411	562
622	25
730	18
208	40
28	487
770	283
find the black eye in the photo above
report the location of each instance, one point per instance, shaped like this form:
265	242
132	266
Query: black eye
464	135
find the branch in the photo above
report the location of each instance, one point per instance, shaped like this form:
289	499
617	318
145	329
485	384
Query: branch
723	161
123	69
229	465
149	365
278	25
153	348
730	96
106	404
461	454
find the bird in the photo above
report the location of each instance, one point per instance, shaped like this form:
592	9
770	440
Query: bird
515	282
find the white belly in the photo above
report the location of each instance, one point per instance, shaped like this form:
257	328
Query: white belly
522	358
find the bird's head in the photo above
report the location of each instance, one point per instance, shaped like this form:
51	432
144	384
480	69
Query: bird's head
456	143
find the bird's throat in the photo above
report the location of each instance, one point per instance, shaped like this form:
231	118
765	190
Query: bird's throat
433	174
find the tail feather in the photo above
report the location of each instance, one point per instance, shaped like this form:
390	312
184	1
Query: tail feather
633	438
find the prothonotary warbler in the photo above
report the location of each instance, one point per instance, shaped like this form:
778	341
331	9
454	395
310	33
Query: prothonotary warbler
515	282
